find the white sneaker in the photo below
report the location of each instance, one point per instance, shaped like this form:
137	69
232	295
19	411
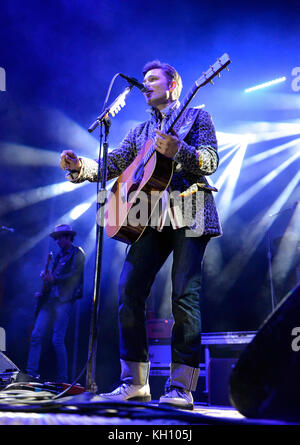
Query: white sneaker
126	392
178	398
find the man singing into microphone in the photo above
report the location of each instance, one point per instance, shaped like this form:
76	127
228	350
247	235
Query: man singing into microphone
193	148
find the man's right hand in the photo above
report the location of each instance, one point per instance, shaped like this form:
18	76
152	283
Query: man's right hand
69	161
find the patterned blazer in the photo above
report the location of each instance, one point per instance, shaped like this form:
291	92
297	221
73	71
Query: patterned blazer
196	158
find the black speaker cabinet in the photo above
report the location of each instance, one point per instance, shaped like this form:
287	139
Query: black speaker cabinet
265	383
219	372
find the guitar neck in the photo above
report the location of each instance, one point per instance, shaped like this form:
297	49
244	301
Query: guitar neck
49	258
176	115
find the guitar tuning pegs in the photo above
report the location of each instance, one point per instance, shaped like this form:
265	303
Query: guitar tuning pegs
226	68
219	75
211	82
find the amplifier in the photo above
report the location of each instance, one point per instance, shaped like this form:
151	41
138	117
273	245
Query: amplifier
213	386
159	354
159	328
219	372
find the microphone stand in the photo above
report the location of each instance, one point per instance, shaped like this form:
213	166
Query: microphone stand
269	256
91	368
102	120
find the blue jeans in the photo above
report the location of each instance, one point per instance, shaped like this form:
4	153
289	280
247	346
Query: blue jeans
142	263
60	313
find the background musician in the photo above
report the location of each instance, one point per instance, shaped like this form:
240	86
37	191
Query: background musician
62	286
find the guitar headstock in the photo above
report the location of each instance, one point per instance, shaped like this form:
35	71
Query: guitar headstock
214	70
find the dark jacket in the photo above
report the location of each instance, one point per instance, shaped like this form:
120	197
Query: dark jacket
68	271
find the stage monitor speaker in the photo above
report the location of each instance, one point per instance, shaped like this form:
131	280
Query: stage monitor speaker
6	365
265	383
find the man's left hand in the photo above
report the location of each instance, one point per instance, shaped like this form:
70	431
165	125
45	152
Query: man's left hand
167	144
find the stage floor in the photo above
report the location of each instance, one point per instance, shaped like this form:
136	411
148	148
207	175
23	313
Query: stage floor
78	410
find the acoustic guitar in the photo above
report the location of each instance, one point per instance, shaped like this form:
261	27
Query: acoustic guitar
139	188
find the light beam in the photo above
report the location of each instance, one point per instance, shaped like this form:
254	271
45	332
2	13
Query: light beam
266	84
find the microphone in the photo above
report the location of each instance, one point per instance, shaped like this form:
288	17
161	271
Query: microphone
135	83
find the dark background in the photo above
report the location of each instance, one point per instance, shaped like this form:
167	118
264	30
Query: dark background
59	59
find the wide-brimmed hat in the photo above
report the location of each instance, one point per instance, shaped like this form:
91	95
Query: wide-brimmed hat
62	229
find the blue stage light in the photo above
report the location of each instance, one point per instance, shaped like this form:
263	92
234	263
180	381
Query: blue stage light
80	209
